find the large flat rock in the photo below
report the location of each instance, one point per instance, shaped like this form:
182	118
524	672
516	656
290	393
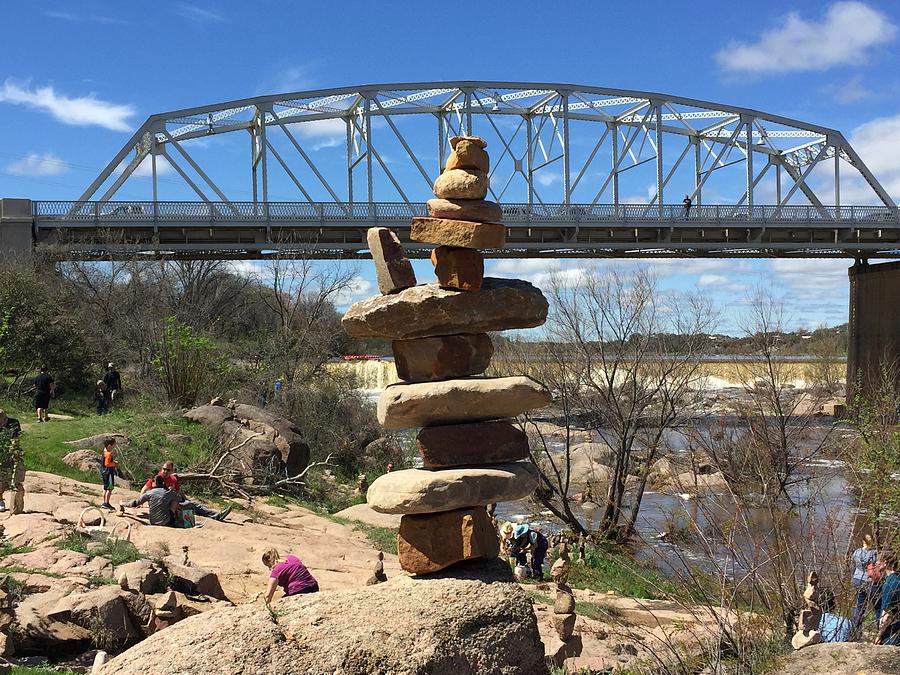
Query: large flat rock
441	358
430	542
463	233
473	621
402	406
424	491
467	444
479	210
429	310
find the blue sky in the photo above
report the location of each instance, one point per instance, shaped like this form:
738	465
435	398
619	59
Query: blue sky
78	76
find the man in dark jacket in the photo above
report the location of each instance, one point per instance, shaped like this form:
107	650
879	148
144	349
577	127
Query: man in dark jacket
113	382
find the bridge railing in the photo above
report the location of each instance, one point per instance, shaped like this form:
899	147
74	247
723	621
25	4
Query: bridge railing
580	214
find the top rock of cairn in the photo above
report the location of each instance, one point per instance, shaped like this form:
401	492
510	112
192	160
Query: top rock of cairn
440	345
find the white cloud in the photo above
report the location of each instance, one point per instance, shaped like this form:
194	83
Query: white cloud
547	178
37	164
195	13
78	111
878	144
851	91
324	133
145	168
712	280
844	35
359	288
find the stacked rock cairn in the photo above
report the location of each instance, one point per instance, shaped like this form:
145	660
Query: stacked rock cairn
810	616
472	456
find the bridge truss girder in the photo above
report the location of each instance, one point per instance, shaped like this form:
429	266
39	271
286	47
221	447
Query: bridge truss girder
550	143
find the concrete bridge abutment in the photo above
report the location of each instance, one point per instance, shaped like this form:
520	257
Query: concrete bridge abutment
16	228
874	325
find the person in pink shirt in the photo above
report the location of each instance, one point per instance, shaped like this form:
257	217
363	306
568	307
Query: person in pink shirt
291	574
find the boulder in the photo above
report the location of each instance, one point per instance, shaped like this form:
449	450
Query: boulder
429	542
842	658
37	633
424	491
88	461
441	358
461	184
193	580
256	451
393	270
118	613
478	443
96	442
429	310
462	233
459	268
294	451
691	482
210	416
142	576
474	621
402	406
477	210
468	153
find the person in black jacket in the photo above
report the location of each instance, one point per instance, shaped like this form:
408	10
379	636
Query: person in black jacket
113	382
43	389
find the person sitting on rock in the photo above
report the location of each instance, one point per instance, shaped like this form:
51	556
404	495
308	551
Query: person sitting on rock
291	575
162	503
833	627
170	481
524	540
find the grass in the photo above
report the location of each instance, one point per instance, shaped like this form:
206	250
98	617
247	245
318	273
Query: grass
383	538
38	670
117	551
142	422
7	548
97	581
20	569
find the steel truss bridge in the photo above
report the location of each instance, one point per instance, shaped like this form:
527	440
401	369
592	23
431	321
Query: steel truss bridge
580	171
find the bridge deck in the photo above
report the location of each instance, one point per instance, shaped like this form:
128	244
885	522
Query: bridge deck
336	230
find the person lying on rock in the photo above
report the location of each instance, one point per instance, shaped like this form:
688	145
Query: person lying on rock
291	574
524	540
164	504
170	482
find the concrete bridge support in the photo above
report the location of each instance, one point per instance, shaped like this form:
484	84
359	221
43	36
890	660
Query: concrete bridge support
874	330
16	228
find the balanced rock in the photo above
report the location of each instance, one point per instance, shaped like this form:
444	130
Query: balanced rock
459	268
393	270
440	358
466	444
479	210
429	542
565	601
429	310
424	491
403	406
564	624
468	153
462	233
476	620
461	184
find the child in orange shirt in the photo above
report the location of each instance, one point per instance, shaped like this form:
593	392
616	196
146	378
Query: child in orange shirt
108	471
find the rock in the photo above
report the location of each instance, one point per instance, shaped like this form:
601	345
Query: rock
479	443
84	460
120	614
37	633
429	310
440	358
801	639
96	442
468	153
472	622
565	603
366	514
197	580
403	406
210	416
690	482
423	491
288	439
477	210
461	184
564	625
432	541
179	439
393	270
464	233
558	651
142	576
843	658
459	268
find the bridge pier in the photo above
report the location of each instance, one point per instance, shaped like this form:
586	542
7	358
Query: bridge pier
16	228
874	324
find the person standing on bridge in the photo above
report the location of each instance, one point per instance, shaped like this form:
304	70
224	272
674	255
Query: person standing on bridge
687	207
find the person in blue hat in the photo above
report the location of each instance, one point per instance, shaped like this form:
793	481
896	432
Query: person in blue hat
525	539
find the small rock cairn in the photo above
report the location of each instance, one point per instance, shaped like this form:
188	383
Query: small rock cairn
810	616
472	456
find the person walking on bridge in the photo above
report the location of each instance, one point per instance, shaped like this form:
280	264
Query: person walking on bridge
687	207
